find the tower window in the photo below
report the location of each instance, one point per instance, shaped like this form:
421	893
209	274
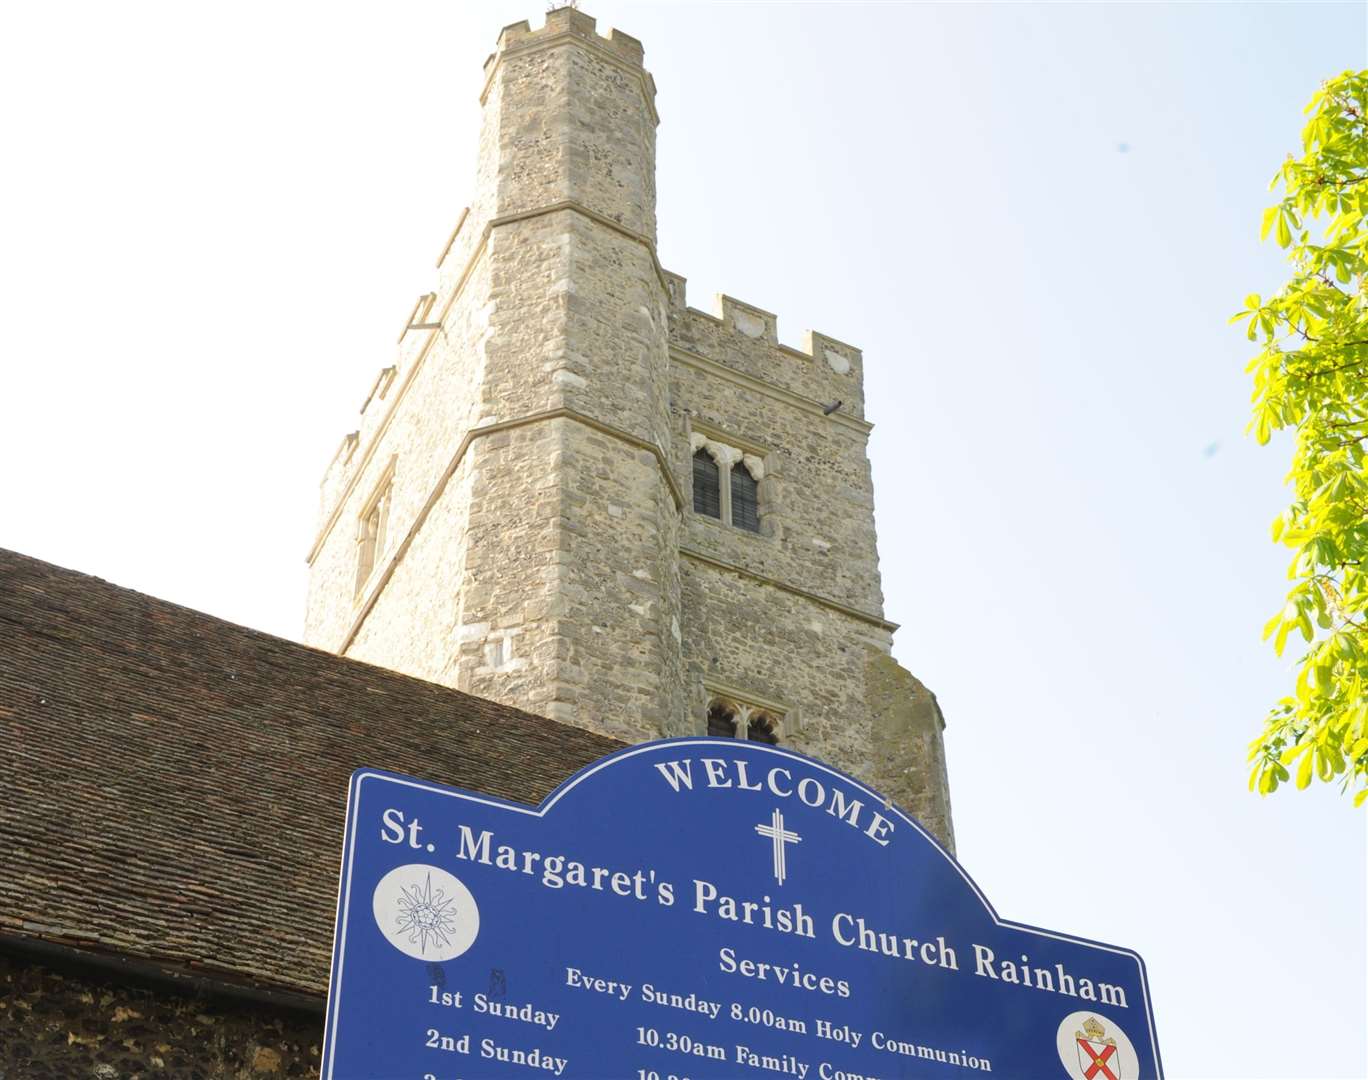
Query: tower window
745	499
730	719
370	532
727	483
762	728
721	720
707	486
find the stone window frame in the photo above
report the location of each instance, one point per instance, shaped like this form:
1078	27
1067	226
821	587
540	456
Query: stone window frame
745	513
372	530
746	706
729	453
701	459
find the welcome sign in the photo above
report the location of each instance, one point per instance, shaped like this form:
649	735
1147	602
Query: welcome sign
698	908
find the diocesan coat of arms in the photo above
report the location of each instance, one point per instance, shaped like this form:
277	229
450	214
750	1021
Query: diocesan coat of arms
1097	1052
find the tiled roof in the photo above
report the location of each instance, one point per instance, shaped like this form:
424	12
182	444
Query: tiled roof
172	786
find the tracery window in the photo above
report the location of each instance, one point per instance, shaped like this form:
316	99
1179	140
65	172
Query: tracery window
721	720
730	719
727	483
763	728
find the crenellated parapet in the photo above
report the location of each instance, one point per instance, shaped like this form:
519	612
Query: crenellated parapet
570	23
387	387
423	326
564	176
567	20
745	338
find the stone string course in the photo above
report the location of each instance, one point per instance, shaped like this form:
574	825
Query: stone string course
542	550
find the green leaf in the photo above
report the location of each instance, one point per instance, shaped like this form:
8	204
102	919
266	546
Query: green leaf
1309	373
1281	640
1268	217
1304	771
1293	752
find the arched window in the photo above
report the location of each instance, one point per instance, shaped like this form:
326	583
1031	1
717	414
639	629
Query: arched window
707	486
721	720
745	499
763	728
729	719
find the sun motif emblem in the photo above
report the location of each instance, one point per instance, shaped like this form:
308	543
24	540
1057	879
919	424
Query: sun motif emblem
426	915
425	912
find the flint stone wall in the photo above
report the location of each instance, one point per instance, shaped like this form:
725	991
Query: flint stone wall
61	1023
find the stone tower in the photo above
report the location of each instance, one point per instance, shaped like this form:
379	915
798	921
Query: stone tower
573	493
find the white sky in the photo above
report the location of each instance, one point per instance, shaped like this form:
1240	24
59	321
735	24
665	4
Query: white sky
1034	219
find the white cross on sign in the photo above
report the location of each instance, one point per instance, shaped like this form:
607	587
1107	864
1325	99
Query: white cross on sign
781	836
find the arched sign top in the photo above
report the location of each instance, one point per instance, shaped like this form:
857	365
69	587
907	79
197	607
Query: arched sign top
697	908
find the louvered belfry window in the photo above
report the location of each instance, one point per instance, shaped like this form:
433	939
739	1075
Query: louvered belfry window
707	485
721	721
745	499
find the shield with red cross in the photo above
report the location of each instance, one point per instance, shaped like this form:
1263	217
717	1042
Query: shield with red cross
1099	1060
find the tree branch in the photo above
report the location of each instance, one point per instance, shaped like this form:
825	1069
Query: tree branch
1332	370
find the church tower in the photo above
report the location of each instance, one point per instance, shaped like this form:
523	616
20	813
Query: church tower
573	493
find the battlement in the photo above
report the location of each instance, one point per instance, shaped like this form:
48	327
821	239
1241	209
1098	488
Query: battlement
561	22
380	400
743	323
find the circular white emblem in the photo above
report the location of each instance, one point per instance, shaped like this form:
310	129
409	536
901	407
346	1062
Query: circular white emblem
1092	1047
425	912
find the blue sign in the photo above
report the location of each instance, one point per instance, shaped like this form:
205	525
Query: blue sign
699	908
